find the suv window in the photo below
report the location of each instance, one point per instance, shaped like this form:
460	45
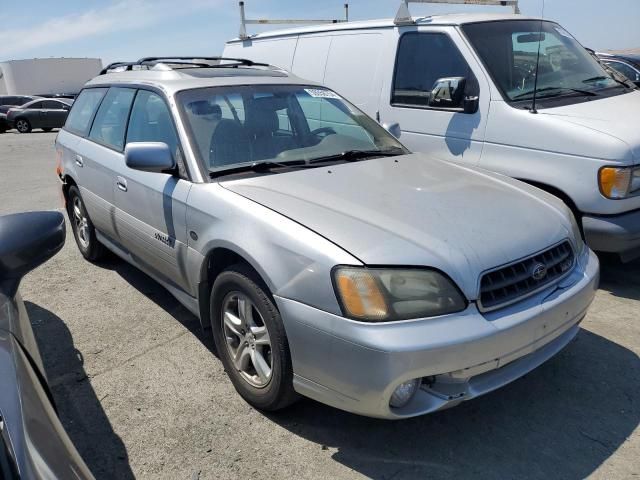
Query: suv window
626	70
111	120
151	121
422	59
84	108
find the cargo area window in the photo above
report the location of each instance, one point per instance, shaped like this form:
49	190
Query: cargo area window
422	59
83	110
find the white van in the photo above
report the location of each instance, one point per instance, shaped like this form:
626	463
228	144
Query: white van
461	88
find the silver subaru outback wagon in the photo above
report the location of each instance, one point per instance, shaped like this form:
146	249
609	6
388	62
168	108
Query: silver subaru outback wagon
327	259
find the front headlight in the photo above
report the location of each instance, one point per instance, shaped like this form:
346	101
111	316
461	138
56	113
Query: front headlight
619	182
386	294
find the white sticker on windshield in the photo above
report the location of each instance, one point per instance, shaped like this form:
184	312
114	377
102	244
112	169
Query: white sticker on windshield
321	93
562	32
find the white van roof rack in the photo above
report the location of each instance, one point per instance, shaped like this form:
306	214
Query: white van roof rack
245	21
403	17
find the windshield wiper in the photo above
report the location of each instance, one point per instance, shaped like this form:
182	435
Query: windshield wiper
602	77
559	92
355	155
261	166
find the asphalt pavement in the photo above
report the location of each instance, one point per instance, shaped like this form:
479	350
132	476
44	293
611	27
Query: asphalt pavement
142	394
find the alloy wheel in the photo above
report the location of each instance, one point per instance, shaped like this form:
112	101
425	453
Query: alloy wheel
81	223
247	339
22	126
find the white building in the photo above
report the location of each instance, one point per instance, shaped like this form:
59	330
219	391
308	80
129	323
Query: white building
41	76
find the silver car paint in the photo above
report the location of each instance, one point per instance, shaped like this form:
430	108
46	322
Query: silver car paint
293	228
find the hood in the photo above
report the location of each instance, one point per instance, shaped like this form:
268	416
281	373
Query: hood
614	116
415	211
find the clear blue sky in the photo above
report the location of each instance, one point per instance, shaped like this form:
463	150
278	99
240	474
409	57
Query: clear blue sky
129	29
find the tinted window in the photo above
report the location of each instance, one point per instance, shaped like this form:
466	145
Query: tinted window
84	108
626	70
50	104
424	58
151	121
111	120
35	105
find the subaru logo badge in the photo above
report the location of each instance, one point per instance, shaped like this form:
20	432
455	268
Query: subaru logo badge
539	271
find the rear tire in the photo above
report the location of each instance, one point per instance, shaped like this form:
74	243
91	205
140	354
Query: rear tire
252	345
83	230
23	125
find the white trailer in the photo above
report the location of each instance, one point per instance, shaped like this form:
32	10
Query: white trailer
43	76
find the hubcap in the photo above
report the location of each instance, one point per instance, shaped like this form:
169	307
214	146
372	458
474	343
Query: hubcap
22	126
247	339
81	223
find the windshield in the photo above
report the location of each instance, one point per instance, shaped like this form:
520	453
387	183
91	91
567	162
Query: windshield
509	50
276	123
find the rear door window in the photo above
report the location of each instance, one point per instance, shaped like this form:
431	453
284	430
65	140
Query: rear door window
36	105
53	105
111	120
422	59
84	108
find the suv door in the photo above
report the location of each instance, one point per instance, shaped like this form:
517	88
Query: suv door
422	58
151	207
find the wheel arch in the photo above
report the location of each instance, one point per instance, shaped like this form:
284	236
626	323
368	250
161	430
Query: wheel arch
216	260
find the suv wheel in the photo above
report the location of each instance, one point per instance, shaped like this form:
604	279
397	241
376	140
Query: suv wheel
83	230
23	125
250	339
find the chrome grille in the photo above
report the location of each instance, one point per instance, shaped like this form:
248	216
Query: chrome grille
509	284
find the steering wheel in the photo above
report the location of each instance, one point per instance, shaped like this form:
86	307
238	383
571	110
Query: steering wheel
323	130
524	75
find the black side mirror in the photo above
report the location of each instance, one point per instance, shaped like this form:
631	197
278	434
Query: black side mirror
470	104
27	240
448	92
149	157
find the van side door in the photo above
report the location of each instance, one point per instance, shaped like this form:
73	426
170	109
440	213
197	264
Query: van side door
151	206
429	115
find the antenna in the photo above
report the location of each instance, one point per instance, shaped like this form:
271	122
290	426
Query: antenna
244	21
535	80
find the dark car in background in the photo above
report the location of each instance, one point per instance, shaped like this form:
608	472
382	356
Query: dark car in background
33	442
44	113
626	64
9	101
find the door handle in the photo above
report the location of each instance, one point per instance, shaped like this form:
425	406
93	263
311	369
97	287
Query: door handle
121	183
79	161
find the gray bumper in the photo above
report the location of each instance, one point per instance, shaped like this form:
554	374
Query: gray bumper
356	366
616	233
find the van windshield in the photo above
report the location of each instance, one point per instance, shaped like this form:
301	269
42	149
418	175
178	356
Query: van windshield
237	125
566	69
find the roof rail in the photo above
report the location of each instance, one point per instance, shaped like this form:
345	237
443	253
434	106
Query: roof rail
403	17
188	62
244	21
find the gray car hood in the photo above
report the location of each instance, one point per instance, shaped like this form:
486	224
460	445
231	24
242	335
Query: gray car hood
413	210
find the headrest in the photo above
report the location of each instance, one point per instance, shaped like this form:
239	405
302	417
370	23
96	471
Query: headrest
203	107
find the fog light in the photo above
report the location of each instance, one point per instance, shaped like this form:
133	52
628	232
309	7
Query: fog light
404	392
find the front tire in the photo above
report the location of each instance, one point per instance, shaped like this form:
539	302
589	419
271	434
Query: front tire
48	129
83	230
23	125
250	339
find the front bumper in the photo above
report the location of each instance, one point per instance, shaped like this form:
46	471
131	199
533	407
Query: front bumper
615	233
356	366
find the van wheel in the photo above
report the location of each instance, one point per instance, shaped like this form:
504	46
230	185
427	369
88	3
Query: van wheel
83	230
250	339
23	125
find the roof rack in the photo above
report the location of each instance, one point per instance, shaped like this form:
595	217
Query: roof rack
244	21
187	62
403	17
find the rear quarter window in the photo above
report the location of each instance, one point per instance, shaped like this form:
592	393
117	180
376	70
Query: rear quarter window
83	110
